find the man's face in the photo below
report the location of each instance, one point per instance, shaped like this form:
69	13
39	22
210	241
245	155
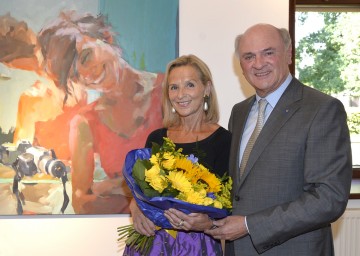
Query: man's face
264	59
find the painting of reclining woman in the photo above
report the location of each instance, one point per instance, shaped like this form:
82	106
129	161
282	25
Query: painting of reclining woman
78	104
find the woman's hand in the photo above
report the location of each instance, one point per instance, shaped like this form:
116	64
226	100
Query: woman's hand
192	221
141	224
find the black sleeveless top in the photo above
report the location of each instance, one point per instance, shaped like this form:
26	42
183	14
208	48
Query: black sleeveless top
213	151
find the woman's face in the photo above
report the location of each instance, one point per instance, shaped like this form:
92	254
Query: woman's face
97	64
100	67
186	91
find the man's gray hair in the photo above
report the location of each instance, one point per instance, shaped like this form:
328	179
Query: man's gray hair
284	33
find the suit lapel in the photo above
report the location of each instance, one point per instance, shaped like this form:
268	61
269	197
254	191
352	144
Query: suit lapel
287	105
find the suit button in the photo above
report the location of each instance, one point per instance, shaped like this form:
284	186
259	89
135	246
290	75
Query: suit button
237	198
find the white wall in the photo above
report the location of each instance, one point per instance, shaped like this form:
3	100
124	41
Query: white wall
207	29
61	236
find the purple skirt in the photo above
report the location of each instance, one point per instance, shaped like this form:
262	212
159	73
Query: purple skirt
185	244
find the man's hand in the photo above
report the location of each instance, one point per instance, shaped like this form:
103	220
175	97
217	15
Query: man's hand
229	228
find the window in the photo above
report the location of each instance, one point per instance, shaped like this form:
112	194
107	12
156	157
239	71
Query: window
326	54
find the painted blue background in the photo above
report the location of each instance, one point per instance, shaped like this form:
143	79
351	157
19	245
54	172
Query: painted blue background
148	30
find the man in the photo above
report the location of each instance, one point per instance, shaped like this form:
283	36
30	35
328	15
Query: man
298	175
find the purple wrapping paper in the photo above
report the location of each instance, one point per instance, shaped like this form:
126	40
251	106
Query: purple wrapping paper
153	208
185	244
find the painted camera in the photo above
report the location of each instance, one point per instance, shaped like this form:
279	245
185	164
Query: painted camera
29	160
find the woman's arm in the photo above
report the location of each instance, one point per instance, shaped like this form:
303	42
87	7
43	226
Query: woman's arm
84	200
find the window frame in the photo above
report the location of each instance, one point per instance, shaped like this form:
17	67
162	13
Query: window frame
319	3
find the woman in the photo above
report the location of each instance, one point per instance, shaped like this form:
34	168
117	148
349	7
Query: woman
119	120
191	117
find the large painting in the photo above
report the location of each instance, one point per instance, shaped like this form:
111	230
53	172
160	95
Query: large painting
80	86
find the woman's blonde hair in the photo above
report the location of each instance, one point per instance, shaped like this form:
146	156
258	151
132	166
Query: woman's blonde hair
212	114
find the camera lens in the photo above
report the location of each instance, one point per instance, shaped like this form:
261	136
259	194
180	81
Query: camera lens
56	168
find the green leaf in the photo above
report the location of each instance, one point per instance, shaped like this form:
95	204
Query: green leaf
138	171
170	192
155	148
138	174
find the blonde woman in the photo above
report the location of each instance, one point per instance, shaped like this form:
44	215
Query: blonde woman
191	118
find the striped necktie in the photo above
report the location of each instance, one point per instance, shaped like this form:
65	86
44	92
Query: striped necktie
259	124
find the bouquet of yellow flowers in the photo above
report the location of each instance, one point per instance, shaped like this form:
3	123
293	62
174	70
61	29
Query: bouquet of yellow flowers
163	178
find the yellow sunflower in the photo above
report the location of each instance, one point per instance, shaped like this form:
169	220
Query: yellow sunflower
191	170
179	181
218	204
198	197
152	172
209	178
154	159
168	161
159	183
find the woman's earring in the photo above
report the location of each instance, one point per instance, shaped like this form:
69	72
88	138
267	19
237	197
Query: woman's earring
206	104
173	110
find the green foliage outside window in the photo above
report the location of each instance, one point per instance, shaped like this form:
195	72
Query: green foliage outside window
328	58
354	123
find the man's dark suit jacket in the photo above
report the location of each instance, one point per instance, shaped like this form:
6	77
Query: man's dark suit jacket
298	176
